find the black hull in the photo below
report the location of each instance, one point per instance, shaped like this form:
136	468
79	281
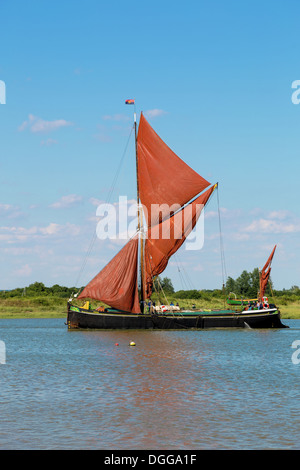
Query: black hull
81	319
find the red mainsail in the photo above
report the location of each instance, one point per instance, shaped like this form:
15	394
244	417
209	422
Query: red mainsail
166	238
164	179
116	284
265	274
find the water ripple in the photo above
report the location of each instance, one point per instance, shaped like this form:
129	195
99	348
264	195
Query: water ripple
213	389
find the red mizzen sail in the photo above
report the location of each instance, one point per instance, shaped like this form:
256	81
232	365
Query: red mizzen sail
265	274
116	285
166	238
163	177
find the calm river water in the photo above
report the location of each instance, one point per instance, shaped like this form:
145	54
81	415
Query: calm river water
210	389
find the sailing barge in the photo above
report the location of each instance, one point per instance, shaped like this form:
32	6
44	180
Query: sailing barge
116	319
127	280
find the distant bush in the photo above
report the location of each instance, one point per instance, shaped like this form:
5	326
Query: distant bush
38	289
188	294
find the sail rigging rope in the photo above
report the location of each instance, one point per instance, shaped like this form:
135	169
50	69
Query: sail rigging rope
163	292
112	188
184	278
223	264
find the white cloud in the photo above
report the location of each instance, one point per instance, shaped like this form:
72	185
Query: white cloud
225	213
277	221
152	113
210	214
39	251
66	201
51	229
95	202
10	212
17	234
281	215
23	271
230	213
4	208
38	125
271	226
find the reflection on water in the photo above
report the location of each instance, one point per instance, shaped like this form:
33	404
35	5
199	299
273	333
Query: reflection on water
211	389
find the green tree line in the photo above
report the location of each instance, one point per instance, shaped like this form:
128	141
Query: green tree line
38	289
245	286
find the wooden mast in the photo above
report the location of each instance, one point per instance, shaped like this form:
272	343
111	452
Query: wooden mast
140	218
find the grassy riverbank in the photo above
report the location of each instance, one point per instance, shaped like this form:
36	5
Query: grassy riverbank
39	307
56	307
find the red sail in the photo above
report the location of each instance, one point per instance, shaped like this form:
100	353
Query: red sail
167	237
265	274
163	177
116	285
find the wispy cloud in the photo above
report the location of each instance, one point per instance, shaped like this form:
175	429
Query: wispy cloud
153	113
17	234
280	214
23	271
272	226
95	202
66	201
225	213
116	117
277	221
10	211
102	134
38	125
48	142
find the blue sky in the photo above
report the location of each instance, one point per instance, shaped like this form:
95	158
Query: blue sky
215	79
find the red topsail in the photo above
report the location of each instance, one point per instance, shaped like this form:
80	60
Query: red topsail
164	179
265	274
166	238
